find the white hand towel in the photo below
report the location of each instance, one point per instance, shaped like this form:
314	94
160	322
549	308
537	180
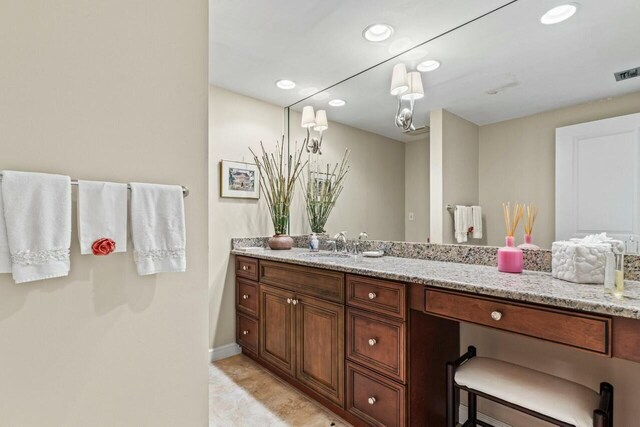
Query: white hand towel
461	227
476	223
158	228
102	214
37	211
5	253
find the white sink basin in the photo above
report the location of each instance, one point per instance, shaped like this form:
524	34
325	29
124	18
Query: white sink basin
325	255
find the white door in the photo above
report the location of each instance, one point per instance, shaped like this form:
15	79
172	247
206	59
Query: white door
597	174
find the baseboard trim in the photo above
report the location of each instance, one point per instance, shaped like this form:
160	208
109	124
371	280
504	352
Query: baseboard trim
224	351
462	416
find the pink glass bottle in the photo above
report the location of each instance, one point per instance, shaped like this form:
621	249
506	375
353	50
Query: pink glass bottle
510	257
528	243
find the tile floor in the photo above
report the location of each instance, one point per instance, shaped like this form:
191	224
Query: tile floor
242	393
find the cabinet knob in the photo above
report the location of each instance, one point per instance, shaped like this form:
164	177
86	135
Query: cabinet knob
245	332
372	341
245	267
245	296
371	400
496	315
288	300
372	295
294	302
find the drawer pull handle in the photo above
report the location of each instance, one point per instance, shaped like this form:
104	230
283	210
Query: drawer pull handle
496	315
372	342
288	300
294	302
245	267
245	296
371	400
245	332
372	295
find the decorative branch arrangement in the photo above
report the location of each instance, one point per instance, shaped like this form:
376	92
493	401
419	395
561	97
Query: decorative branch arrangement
532	213
321	190
278	175
511	221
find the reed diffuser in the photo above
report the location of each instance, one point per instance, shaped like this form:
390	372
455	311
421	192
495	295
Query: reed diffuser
510	257
532	213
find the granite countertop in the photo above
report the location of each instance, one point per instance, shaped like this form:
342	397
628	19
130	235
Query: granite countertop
530	286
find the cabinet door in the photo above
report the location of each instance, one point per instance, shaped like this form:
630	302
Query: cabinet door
277	328
320	347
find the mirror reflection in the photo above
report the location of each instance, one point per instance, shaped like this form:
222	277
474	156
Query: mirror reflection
519	107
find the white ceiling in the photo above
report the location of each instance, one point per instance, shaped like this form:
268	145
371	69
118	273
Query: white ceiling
318	44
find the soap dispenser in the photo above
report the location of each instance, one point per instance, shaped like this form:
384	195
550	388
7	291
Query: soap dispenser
314	243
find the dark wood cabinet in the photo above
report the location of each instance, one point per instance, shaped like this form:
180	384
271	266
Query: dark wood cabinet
247	297
374	398
320	346
343	340
277	328
247	333
377	343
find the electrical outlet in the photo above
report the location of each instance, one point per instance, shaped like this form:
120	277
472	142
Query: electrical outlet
410	216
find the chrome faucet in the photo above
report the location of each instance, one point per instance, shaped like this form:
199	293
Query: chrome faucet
332	244
362	237
341	238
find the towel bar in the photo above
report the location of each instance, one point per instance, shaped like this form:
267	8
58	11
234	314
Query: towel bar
185	190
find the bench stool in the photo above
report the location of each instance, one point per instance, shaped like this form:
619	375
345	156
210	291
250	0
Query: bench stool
555	400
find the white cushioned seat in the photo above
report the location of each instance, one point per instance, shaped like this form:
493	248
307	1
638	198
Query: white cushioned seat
543	393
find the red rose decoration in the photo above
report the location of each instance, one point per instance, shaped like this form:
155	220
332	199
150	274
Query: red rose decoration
103	246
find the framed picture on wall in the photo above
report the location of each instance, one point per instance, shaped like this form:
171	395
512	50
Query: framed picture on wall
239	180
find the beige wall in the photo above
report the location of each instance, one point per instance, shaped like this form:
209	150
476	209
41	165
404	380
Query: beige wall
373	193
116	91
517	163
416	184
453	170
235	123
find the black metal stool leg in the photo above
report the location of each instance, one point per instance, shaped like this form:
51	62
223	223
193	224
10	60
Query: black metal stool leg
451	395
603	416
472	411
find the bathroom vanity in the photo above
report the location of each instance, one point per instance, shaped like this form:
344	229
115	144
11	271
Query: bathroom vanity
369	338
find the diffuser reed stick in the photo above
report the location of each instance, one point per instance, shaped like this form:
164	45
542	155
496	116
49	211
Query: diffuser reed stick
532	213
511	220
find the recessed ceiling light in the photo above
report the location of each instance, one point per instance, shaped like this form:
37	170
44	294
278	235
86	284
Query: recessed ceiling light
559	13
285	84
377	32
337	102
429	65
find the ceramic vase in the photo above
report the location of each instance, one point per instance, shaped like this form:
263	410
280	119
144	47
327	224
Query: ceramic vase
528	239
510	257
280	242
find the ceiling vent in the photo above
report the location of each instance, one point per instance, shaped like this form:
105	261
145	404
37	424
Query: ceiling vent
627	74
417	131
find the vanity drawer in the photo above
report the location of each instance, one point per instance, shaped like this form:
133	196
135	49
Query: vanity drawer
314	282
247	332
247	267
584	331
247	297
376	343
375	399
381	296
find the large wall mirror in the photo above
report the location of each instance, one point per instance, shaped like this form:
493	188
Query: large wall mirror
490	116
